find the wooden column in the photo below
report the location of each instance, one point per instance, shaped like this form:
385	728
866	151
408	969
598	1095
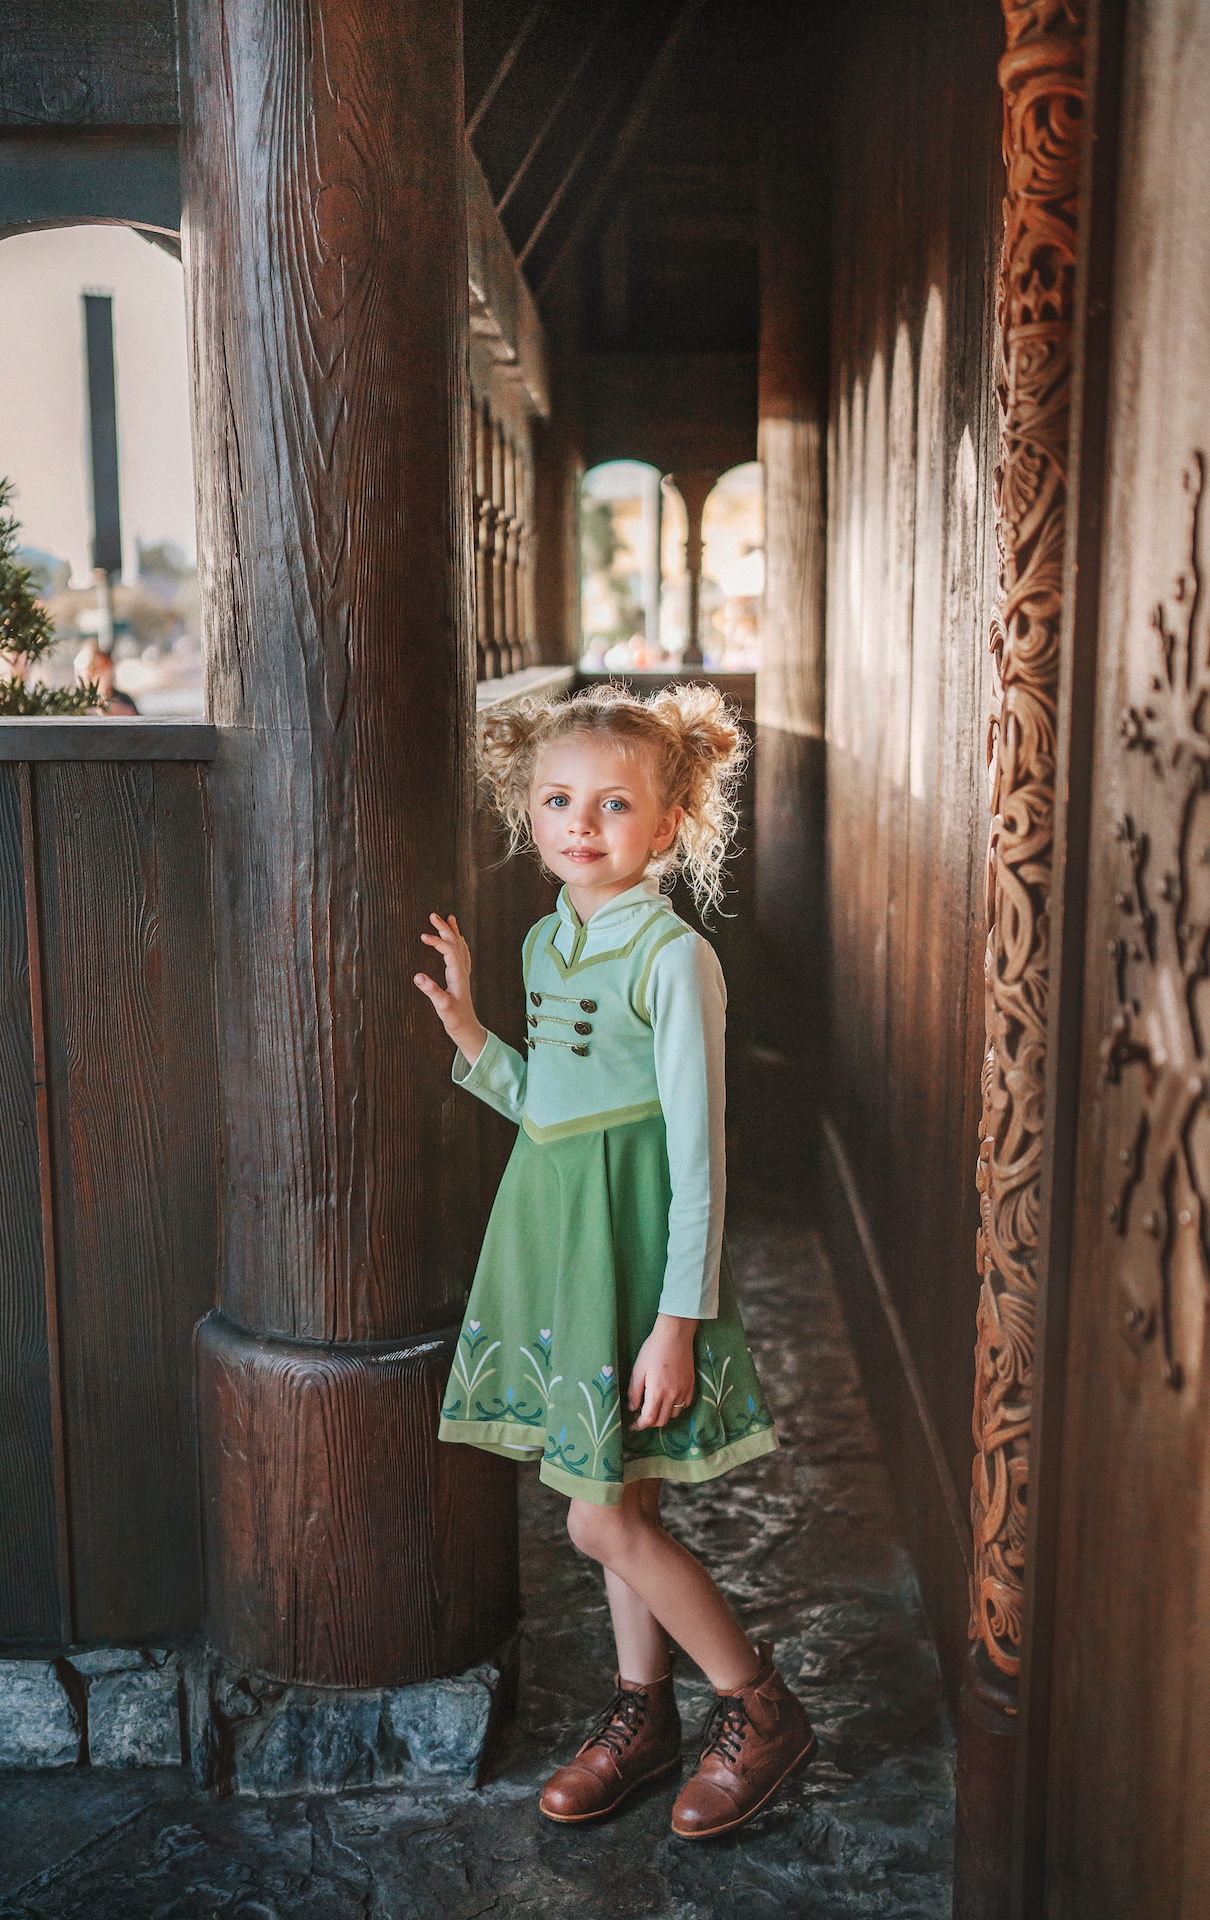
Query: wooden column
499	548
1042	77
488	653
526	554
324	246
512	529
695	488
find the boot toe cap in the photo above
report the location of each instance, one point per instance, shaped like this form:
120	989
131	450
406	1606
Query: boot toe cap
701	1809
573	1793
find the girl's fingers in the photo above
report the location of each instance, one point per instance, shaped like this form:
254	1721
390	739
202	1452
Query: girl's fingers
429	987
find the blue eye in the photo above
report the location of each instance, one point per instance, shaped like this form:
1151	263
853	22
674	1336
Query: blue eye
558	800
619	805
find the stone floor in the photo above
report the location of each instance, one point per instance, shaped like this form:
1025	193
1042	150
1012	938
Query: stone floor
805	1542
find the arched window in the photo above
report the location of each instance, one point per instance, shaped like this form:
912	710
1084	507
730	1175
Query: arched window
634	580
87	311
620	519
733	570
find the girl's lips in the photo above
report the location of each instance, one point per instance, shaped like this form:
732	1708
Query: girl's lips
582	853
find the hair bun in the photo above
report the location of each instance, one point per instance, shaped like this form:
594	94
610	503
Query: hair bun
709	726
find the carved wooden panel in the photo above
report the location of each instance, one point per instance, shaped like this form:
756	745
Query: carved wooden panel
1159	964
1042	78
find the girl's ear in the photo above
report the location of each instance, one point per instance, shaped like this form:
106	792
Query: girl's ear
667	828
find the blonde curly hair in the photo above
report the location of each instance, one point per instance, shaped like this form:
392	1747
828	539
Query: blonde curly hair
697	744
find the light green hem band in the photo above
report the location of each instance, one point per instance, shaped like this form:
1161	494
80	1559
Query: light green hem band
590	1122
495	1436
488	1435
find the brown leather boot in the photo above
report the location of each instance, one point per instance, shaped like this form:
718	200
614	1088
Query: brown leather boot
637	1738
755	1738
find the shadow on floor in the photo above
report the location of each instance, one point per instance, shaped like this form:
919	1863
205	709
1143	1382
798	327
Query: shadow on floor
806	1544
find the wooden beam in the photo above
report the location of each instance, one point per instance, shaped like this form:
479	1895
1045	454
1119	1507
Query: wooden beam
506	66
71	176
503	311
88	63
636	120
560	101
89	738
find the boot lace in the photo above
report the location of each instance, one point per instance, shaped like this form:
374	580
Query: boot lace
725	1730
620	1721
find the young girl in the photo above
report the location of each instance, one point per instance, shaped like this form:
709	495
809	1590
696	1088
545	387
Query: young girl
602	1336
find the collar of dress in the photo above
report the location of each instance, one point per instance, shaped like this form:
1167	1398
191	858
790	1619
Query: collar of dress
611	925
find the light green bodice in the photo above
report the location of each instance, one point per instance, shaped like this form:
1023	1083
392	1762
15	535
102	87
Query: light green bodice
626	1017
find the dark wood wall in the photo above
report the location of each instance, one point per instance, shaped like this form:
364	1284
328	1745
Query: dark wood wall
108	1196
910	577
1131	1670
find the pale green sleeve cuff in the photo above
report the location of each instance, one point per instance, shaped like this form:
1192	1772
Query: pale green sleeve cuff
497	1077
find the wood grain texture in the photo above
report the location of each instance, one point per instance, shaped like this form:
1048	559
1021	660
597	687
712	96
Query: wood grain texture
324	245
30	1593
370	1550
911	448
1133	1526
88	63
46	1195
131	1071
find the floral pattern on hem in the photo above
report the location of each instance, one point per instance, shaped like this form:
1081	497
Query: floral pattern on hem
702	1435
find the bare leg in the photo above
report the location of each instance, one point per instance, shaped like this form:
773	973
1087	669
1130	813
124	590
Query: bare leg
630	1543
642	1644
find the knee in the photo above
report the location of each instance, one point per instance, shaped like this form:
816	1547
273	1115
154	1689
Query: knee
594	1530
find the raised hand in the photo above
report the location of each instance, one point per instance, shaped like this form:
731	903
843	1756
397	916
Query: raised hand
452	1003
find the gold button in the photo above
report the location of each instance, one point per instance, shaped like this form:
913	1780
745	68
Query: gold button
582	1026
536	998
580	1050
588	1006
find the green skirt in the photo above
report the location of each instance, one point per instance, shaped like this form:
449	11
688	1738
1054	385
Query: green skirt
566	1291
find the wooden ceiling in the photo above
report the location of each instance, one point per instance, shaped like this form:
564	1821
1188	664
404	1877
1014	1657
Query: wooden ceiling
619	141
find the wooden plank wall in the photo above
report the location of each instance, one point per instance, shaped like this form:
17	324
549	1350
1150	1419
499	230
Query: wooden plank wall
1131	1672
910	578
117	863
29	1583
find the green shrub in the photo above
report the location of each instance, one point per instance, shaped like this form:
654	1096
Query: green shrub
26	634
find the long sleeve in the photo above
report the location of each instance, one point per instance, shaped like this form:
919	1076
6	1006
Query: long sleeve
497	1077
686	1001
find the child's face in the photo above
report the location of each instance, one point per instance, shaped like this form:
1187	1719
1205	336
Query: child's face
597	816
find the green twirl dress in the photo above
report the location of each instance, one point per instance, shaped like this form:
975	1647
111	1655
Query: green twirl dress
610	1211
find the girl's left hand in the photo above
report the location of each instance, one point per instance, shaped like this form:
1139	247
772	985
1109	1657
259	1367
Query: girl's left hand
664	1378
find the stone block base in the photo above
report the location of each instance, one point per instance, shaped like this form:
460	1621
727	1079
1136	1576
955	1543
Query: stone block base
255	1736
39	1721
243	1733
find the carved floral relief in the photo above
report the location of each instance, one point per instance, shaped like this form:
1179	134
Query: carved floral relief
1041	75
1159	1038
